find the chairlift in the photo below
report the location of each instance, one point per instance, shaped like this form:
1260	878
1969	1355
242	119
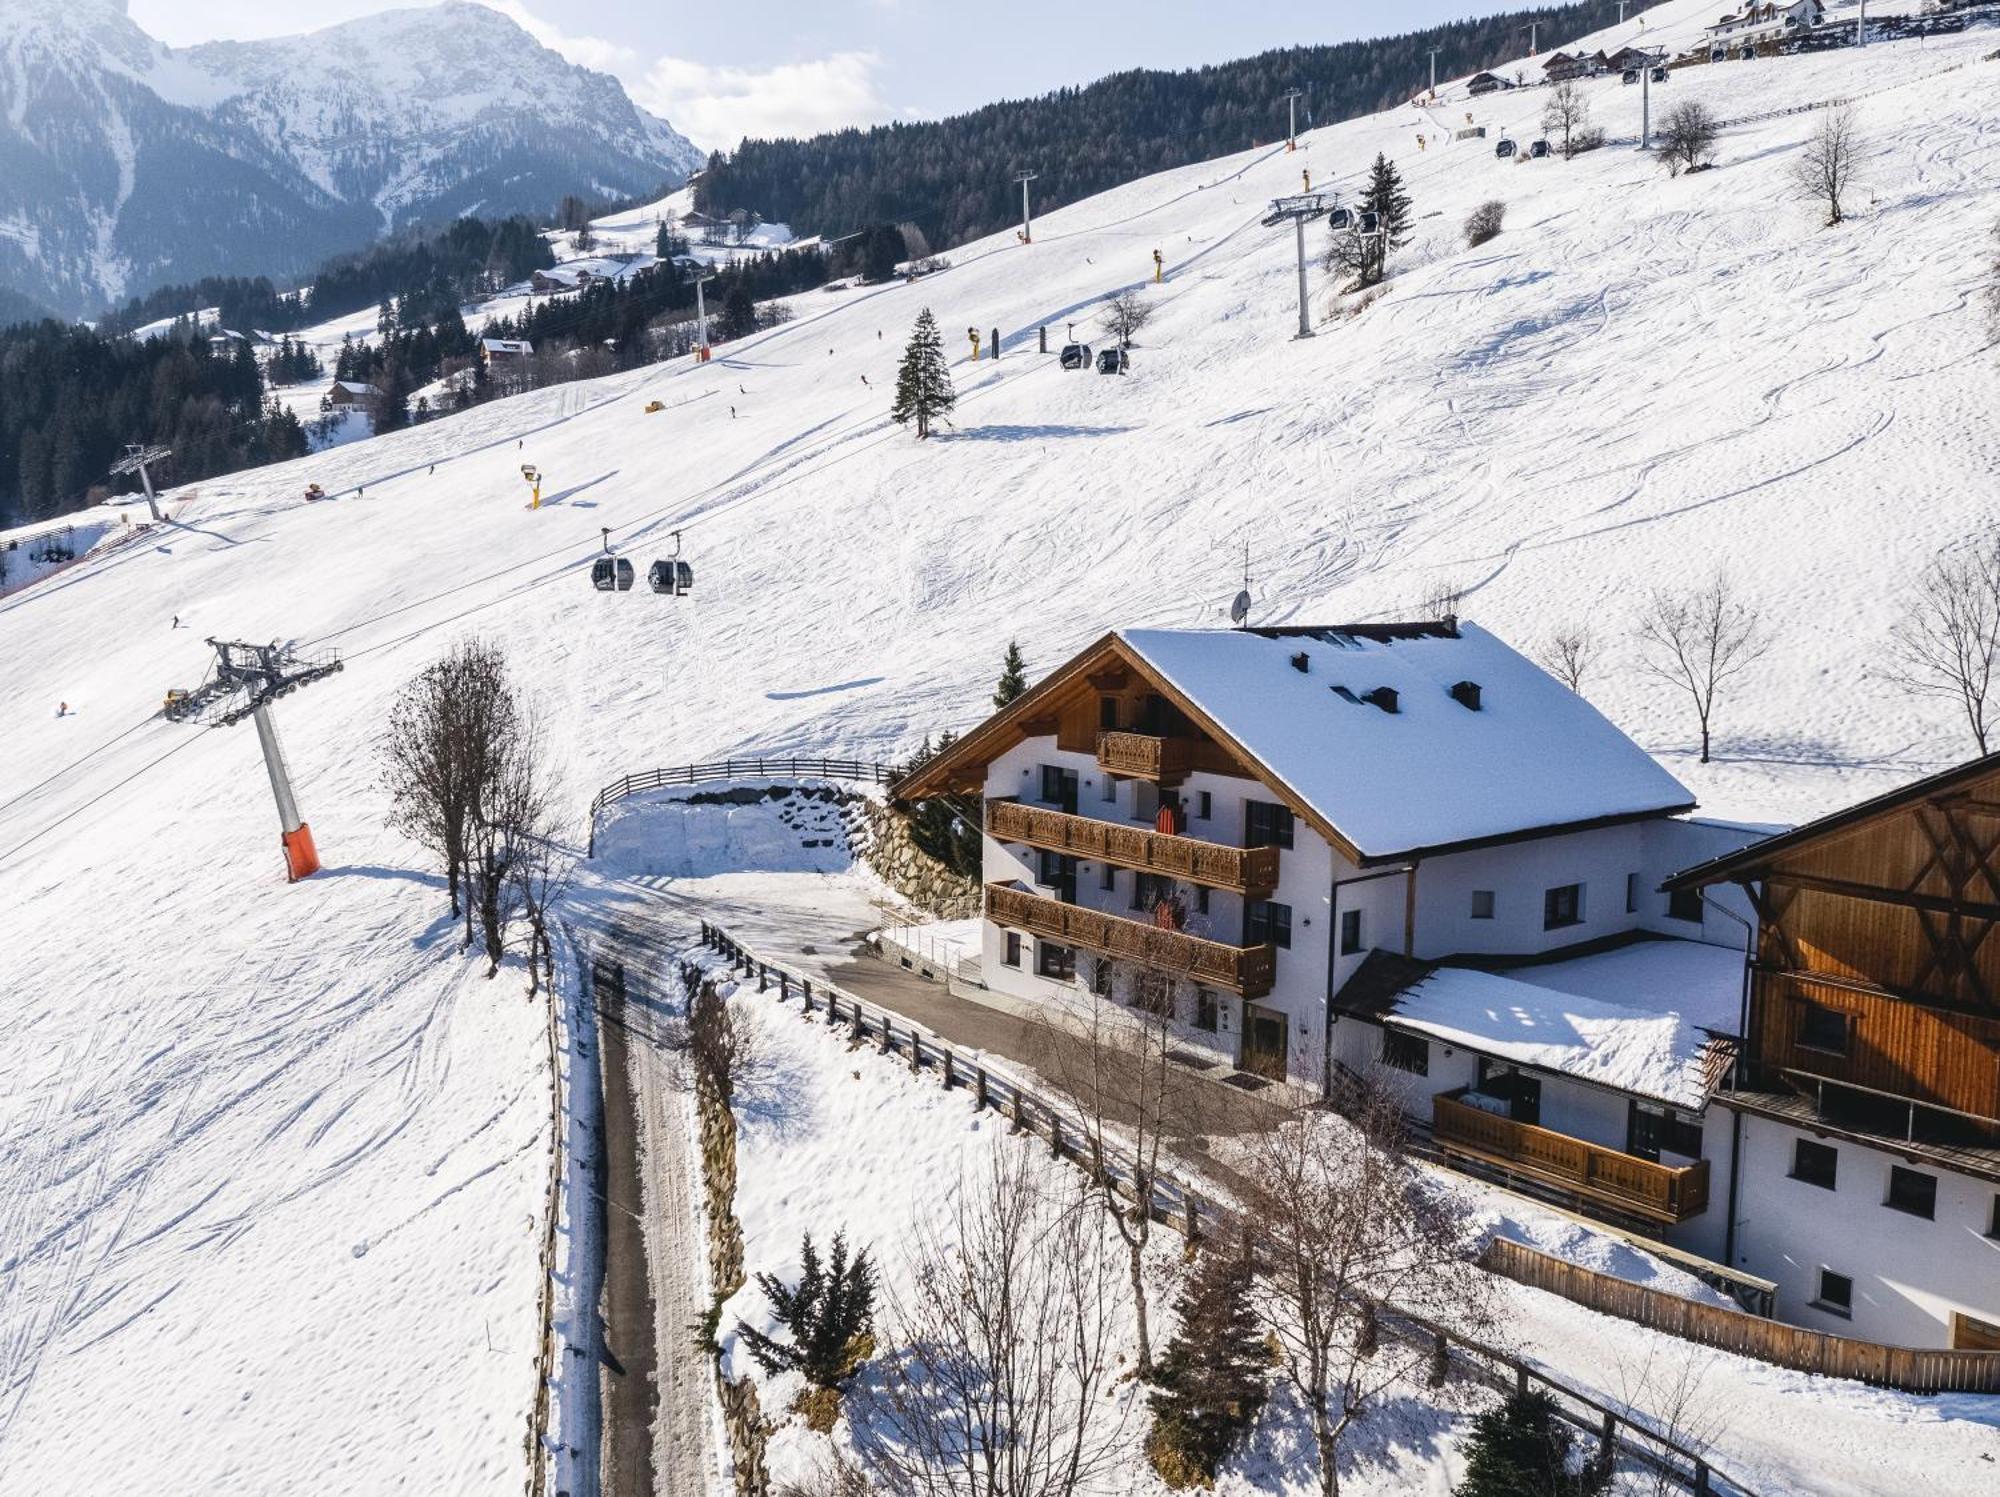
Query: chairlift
1505	149
611	574
1075	356
1539	149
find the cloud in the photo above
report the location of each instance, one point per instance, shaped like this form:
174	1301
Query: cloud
620	61
716	107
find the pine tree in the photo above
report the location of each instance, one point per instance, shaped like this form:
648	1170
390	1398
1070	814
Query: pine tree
1013	675
923	383
1211	1380
1522	1449
1367	258
739	314
829	1317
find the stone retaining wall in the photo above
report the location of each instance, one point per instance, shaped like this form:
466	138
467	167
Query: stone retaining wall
742	1419
880	836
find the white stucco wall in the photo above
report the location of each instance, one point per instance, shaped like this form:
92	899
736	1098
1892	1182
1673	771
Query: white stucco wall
1909	1274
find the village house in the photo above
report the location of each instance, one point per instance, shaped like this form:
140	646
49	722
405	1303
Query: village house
348	394
1399	851
1566	66
1765	22
505	350
1486	83
1864	1112
560	278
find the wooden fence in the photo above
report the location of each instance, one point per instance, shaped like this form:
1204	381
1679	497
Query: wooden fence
1909	1368
1176	1204
863	770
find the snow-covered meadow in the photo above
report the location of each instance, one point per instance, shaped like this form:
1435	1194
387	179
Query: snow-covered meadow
219	1087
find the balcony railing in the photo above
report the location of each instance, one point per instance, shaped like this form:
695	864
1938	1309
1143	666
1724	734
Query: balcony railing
1144	756
1245	870
1658	1192
1248	970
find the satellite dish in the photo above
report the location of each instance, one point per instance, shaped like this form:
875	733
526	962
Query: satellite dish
1239	611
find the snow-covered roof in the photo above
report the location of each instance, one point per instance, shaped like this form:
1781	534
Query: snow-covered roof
1433	773
353	387
507	345
1640	1018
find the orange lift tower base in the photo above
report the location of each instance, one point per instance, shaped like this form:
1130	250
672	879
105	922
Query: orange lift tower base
301	857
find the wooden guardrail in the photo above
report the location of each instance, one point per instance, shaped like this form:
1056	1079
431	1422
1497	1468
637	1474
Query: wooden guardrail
1664	1193
1911	1369
1242	869
759	768
1176	1204
1249	970
1144	756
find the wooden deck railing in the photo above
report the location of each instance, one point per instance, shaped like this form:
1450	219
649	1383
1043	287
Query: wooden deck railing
1144	756
1658	1192
1242	869
1913	1369
1248	970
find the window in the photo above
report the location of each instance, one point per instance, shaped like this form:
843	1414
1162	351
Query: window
1822	1028
1562	906
1482	904
1685	904
1058	872
1201	899
1207	1011
1631	893
1107	714
1836	1293
1814	1163
1406	1052
1681	1134
1266	825
1912	1191
1059	786
1108	879
1100	977
1350	932
1110	792
1056	961
1204	805
1267	920
1010	953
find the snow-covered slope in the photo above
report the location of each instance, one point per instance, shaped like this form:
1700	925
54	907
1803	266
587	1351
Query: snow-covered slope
124	163
218	1087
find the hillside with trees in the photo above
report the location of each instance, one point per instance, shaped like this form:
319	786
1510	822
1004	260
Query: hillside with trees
953	178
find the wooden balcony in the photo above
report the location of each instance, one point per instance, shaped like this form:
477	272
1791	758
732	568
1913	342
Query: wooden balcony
1248	970
1145	756
1623	1182
1244	870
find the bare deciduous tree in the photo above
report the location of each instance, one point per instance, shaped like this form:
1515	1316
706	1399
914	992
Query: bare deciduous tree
514	817
720	1047
1001	1354
541	877
1125	316
1666	1389
1947	643
1825	168
1112	1070
1566	113
1687	135
1441	599
1484	223
1700	640
1347	1225
1569	654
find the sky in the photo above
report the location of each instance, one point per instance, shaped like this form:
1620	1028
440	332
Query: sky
795	67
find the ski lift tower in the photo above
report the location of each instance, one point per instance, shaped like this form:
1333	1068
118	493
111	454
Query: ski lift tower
701	318
1301	209
134	461
1654	57
245	680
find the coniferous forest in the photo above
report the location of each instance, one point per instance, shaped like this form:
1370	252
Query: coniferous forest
954	178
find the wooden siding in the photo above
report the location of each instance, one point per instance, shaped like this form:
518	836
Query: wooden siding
1241	869
1659	1192
1248	970
1905	1049
1912	1369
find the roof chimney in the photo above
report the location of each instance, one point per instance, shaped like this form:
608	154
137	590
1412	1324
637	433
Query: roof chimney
1466	694
1383	697
1300	662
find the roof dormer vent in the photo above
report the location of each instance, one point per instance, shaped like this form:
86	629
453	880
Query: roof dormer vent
1300	661
1466	694
1346	696
1383	697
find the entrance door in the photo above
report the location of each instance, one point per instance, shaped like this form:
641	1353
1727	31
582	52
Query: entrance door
1527	1100
1264	1036
1642	1136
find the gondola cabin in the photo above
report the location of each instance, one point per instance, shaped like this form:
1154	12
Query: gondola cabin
611	574
674	578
